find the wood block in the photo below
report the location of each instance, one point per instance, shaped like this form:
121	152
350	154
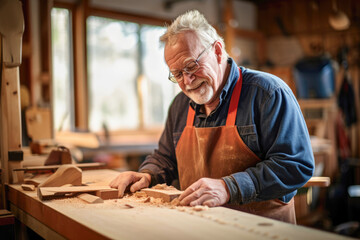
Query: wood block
108	194
46	193
66	174
28	187
90	198
318	182
166	195
32	182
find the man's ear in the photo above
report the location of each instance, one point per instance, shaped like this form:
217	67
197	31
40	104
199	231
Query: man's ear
219	51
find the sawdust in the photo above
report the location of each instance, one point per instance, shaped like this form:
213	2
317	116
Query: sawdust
164	187
138	201
133	200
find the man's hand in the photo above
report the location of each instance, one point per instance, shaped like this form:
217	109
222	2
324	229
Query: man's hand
206	191
135	179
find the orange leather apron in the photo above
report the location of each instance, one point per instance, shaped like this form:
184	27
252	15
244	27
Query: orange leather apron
216	152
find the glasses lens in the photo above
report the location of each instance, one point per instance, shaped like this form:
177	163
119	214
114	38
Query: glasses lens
191	67
172	78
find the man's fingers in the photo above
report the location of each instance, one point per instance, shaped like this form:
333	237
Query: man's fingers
210	203
192	197
200	200
142	183
121	187
192	188
130	181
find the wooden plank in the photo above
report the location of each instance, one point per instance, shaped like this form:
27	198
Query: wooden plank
33	223
10	122
79	139
318	182
166	195
110	221
80	62
54	167
47	193
45	220
90	198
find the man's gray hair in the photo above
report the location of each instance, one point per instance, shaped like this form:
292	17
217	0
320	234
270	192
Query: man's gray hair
192	21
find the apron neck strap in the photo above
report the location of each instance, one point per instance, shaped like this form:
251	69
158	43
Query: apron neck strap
230	121
234	102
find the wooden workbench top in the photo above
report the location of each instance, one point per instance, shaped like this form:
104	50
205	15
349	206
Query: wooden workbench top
128	219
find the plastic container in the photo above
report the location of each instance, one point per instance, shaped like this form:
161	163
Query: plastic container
314	78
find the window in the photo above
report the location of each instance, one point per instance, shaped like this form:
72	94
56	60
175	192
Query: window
62	85
127	75
158	91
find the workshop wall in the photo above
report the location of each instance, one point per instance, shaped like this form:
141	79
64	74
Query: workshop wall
303	29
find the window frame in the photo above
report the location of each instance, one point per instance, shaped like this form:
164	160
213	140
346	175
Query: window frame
79	14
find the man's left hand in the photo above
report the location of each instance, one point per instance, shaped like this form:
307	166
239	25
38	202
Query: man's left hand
206	191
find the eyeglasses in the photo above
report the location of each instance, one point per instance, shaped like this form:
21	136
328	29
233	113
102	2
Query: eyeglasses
190	68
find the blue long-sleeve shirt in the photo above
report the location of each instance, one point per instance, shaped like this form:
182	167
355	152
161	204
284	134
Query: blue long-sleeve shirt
270	123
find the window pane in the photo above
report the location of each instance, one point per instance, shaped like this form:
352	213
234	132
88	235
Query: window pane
61	68
112	72
158	90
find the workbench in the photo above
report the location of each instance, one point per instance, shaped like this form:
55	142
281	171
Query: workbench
73	219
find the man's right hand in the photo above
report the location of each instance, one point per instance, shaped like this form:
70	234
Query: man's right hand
135	180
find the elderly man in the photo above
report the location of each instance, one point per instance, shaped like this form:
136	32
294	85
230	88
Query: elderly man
233	136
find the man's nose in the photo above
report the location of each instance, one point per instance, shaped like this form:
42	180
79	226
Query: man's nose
188	78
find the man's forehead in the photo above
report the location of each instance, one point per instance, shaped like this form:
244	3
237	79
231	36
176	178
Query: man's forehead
182	42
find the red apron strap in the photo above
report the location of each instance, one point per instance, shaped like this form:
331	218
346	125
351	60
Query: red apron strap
230	121
190	117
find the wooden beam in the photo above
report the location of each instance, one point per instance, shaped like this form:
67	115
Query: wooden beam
47	193
54	167
80	65
229	30
140	19
11	124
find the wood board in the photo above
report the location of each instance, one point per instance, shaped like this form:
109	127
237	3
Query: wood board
110	221
54	167
47	193
166	195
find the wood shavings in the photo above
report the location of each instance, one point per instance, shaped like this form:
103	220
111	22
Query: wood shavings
156	200
140	194
163	187
175	202
199	208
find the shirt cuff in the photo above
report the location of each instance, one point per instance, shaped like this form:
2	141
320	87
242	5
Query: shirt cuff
246	187
233	189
